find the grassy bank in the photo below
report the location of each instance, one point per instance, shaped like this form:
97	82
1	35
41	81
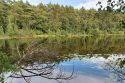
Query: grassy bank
14	34
54	35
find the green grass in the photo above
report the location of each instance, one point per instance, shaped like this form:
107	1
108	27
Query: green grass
37	34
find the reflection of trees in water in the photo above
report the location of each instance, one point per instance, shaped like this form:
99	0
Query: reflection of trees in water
117	68
47	71
83	46
36	61
40	61
48	53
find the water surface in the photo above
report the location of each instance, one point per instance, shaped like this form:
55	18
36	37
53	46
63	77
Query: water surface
65	60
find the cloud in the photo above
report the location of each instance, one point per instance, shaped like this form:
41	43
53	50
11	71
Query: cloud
33	2
90	4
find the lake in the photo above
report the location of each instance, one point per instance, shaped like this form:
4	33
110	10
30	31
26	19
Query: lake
63	60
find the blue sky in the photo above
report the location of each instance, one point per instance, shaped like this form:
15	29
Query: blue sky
75	3
66	2
62	2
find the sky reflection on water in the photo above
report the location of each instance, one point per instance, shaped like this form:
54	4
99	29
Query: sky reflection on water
91	60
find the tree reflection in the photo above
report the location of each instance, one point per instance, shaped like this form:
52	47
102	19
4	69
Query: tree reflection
45	71
34	61
117	67
41	58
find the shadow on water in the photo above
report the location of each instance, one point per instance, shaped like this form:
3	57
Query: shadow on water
28	58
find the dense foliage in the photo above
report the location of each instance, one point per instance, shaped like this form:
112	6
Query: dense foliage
22	18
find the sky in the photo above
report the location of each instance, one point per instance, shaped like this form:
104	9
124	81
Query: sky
87	4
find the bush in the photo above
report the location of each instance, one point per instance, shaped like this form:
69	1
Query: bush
13	33
94	32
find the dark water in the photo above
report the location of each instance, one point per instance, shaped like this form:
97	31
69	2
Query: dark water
63	60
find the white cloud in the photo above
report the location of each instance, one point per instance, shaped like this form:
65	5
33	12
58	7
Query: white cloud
91	4
33	2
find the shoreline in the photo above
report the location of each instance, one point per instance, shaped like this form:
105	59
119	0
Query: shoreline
47	36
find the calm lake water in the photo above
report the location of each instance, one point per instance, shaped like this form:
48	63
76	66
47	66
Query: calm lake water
63	60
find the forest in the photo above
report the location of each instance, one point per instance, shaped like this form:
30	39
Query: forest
18	18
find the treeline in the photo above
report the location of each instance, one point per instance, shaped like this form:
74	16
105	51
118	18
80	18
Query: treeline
22	18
